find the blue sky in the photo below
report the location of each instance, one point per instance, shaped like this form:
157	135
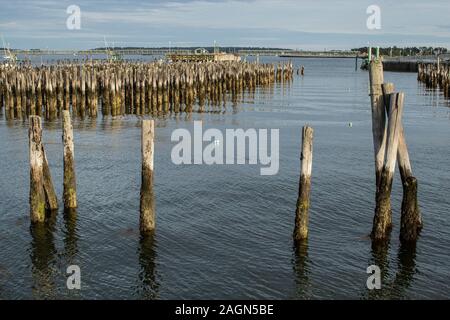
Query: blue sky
308	24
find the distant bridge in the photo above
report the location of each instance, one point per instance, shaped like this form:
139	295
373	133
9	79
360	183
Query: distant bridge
323	54
146	51
164	51
243	52
45	52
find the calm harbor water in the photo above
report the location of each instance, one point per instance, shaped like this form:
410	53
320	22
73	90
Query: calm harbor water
224	231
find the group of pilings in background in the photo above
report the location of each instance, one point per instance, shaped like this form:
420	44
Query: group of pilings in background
118	88
390	148
435	75
42	193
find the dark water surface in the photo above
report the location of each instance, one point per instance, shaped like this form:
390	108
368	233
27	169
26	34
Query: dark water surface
224	231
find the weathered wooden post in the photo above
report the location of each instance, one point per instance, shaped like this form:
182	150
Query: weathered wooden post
50	195
411	220
147	204
378	116
301	214
70	188
382	221
37	194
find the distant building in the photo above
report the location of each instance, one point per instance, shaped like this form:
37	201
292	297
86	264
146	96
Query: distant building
202	54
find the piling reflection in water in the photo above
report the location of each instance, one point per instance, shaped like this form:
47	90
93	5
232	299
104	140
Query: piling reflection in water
71	251
393	287
406	261
380	252
43	258
148	276
70	235
302	263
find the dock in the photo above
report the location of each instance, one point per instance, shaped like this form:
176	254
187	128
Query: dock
410	63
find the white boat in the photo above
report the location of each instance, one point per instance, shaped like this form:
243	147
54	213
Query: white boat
8	55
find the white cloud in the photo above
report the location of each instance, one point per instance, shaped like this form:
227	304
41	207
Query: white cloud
250	20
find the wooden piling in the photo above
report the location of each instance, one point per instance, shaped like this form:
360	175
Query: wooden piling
411	219
382	222
37	194
302	212
51	199
147	203
70	188
378	116
435	75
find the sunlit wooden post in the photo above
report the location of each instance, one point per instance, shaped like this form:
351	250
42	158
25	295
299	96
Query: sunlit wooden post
147	203
302	212
37	194
382	220
70	188
411	219
50	194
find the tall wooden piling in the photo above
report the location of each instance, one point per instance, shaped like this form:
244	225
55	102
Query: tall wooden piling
147	203
378	116
37	194
302	212
69	184
411	219
383	217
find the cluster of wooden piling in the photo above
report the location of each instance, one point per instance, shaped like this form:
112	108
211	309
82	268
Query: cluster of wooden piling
130	87
42	192
435	75
390	148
